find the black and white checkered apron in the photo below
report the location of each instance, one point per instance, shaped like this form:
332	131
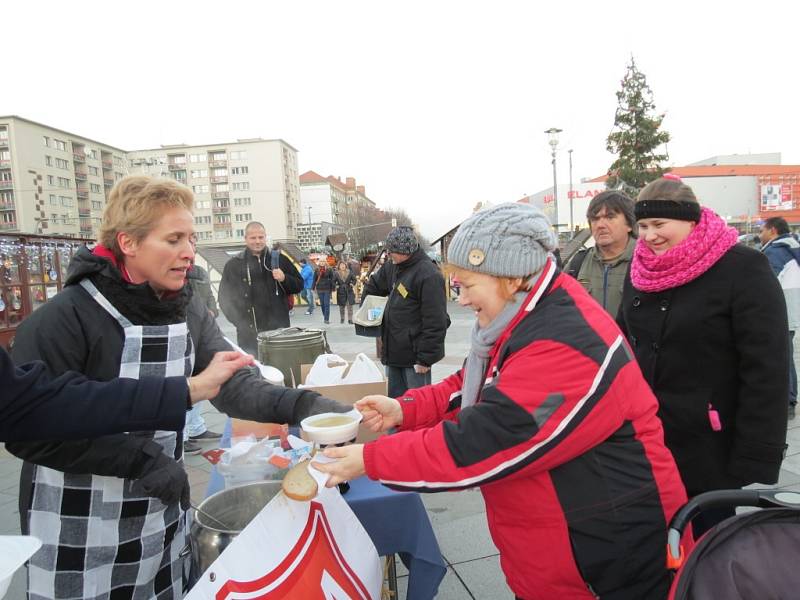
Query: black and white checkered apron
100	540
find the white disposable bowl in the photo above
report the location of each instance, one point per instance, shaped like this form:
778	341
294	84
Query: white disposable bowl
327	436
14	551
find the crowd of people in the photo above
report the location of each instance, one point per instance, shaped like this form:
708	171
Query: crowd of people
593	403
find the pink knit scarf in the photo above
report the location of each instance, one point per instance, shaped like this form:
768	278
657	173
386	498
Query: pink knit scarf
705	245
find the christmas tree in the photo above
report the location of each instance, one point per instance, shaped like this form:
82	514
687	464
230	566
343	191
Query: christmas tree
636	137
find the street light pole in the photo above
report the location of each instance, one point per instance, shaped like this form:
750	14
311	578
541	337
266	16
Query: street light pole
553	134
571	221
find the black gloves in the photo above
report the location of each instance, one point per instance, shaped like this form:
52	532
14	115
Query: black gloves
162	477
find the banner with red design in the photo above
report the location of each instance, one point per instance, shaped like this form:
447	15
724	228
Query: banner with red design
314	550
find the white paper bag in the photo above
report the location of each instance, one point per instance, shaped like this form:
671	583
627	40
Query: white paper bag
363	370
297	550
326	370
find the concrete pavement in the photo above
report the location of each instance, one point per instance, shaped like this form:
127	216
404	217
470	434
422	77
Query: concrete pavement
458	518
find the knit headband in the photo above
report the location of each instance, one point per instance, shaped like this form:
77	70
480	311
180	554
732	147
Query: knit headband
667	209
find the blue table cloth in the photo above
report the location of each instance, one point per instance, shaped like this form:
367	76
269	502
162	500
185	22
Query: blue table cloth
395	521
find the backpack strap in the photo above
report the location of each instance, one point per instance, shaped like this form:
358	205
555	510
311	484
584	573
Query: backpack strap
576	262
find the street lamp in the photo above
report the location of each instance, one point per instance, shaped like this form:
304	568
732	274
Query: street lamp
553	141
571	222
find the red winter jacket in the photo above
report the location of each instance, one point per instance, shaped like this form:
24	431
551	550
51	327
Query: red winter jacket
565	445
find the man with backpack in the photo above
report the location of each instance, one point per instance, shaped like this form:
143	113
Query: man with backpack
783	252
601	270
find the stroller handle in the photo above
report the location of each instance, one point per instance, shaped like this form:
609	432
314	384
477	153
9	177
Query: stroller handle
716	499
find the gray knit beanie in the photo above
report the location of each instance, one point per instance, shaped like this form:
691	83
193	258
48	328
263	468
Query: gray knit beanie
402	240
507	240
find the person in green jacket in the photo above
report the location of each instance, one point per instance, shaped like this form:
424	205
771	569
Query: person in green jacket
601	269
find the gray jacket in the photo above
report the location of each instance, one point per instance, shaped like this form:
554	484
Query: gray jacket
604	282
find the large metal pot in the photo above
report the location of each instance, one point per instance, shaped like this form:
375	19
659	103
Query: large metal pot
288	348
235	507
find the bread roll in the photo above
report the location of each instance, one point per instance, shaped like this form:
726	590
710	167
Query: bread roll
298	483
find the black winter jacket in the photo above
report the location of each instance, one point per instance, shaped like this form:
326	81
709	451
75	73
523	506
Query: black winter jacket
238	298
72	332
345	290
323	279
415	319
35	406
718	342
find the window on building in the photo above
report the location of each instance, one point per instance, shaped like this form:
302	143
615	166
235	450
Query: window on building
46	140
200	173
221	187
94	187
196	158
61	163
65	201
216	156
63	182
239	171
53	200
219	172
48	161
118	160
118	175
244	217
97	205
60	144
202	204
53	219
222	234
240	233
200	189
92	154
93	171
51	180
3	133
6	175
241	186
241	201
177	159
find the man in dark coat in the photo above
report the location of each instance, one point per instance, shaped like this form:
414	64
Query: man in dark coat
253	291
415	319
36	406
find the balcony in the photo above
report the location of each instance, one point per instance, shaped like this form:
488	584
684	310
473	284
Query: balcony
84	212
79	157
220	179
7	206
12	225
221	209
80	176
107	165
219	226
5	164
6	185
217	163
3	142
218	195
83	194
176	166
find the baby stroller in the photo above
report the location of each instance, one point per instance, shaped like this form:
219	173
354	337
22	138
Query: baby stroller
751	556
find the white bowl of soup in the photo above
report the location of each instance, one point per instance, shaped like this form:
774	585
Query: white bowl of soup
332	429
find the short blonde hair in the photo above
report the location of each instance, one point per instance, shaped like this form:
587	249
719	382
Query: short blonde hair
135	204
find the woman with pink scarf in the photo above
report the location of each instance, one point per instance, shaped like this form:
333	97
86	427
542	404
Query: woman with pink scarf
706	319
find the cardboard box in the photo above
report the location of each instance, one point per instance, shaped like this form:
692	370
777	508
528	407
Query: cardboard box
349	394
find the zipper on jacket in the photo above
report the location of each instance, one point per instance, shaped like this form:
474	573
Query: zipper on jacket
606	268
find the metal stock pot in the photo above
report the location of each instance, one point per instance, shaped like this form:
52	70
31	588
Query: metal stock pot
234	507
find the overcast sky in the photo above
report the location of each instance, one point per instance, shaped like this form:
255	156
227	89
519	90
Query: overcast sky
433	106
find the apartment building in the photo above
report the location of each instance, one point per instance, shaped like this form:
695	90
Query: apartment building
54	182
233	184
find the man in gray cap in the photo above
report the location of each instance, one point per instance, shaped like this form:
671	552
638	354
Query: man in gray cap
415	318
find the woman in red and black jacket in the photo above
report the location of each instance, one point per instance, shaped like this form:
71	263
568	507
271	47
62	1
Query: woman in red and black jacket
550	417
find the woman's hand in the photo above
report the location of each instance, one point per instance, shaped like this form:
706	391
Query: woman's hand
380	413
349	466
221	368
